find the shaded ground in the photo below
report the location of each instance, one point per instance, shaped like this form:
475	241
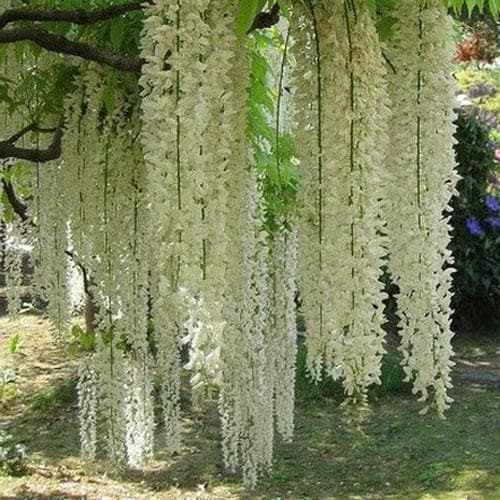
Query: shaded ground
396	453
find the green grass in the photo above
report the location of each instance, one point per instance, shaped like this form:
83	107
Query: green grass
392	452
59	397
311	393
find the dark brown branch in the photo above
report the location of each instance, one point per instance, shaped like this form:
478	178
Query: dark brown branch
78	16
30	128
84	17
9	150
266	19
61	45
19	207
86	281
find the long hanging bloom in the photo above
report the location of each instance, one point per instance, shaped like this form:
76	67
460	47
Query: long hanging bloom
67	213
421	163
207	292
246	391
160	138
105	216
87	408
14	239
305	116
282	328
342	142
52	241
128	260
109	363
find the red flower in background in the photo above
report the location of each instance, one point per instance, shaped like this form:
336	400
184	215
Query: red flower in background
481	46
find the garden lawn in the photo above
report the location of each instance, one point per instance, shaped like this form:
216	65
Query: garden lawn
389	452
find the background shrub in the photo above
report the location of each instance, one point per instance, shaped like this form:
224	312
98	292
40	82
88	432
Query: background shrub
476	224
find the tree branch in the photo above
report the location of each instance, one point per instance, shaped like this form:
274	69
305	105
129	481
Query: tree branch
86	280
19	207
9	150
266	19
61	45
84	17
30	128
78	16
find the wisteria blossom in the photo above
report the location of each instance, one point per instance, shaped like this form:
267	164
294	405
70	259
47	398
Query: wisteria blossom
421	164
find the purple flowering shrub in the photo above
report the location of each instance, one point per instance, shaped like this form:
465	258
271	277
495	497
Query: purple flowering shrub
476	224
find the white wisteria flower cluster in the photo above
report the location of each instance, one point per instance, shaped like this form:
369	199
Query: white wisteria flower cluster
156	208
15	240
343	137
282	326
211	259
97	225
423	179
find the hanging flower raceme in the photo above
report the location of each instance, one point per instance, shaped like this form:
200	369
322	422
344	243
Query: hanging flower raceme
51	245
246	392
87	388
160	138
131	251
423	178
282	328
104	216
207	288
342	138
15	252
306	117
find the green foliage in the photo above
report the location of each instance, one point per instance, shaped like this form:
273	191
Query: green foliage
477	258
246	14
273	147
472	80
393	378
16	344
50	402
312	393
8	391
492	5
309	392
81	341
469	78
12	456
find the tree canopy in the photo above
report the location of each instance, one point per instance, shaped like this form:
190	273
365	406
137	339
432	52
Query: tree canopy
196	164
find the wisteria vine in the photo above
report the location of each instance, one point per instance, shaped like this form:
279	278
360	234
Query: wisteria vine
157	222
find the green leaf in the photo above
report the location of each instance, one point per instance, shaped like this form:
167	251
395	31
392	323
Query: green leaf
116	34
16	344
284	8
384	27
386	5
246	15
494	6
372	7
109	99
470	5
